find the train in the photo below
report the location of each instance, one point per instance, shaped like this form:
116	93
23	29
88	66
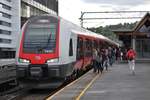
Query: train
51	50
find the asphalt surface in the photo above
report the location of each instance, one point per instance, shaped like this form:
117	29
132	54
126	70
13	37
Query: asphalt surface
119	84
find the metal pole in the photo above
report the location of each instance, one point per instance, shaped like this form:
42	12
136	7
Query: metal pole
81	18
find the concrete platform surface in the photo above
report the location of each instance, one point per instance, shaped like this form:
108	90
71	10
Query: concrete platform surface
71	91
119	84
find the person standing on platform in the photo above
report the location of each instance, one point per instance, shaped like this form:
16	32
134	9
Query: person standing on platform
110	56
99	61
113	55
94	60
118	54
121	55
105	58
131	54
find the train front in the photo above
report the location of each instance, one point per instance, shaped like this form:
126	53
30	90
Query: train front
38	47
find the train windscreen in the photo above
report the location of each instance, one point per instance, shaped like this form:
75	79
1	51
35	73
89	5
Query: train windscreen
40	35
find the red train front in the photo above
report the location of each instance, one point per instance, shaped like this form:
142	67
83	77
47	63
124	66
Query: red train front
38	45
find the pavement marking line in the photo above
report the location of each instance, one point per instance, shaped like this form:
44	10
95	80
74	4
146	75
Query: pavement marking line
82	93
49	98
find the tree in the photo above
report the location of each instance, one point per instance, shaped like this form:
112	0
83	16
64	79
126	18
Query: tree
107	30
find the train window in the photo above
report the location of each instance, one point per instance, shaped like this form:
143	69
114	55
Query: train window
70	48
40	35
95	44
80	48
100	44
88	47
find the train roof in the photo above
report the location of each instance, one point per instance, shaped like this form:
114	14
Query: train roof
95	35
88	33
84	31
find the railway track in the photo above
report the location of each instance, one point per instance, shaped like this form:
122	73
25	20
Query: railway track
38	94
27	93
33	94
14	93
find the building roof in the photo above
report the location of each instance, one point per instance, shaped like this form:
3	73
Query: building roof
144	21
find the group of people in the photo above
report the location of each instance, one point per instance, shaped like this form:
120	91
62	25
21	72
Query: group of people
102	58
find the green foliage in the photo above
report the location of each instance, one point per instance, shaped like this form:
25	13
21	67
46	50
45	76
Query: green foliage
107	30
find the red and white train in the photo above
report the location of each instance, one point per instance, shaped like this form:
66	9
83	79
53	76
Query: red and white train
51	49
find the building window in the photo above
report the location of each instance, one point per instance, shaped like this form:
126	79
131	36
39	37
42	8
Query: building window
6	15
23	10
5	32
7	41
5	23
7	53
35	11
51	4
6	7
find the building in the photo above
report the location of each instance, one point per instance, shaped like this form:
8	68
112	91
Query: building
37	7
9	26
13	13
138	38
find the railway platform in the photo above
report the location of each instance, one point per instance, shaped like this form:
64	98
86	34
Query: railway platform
115	84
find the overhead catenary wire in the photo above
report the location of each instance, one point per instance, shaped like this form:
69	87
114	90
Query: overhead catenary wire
83	18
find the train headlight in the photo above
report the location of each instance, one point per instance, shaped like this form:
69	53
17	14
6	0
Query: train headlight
52	60
23	60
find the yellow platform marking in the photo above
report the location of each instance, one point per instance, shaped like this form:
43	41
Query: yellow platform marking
82	92
49	98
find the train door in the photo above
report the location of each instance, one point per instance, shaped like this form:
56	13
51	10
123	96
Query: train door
87	52
79	54
71	58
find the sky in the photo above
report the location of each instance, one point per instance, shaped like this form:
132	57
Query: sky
71	10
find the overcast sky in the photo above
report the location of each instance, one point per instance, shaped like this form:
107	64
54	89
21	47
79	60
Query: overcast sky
71	10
